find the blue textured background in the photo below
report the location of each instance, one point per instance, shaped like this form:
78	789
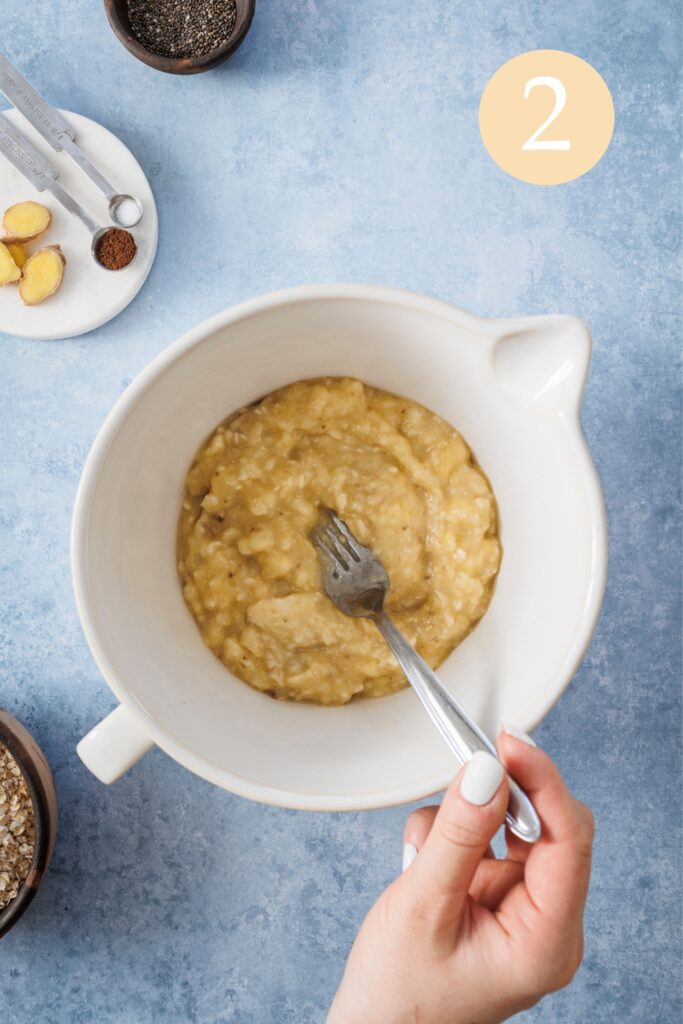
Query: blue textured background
341	143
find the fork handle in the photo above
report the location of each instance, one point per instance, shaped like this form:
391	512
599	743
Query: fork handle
460	732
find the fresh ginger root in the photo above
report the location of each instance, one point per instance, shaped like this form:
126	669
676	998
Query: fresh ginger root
42	275
25	221
9	271
18	253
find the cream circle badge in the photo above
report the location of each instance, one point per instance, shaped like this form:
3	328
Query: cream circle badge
546	117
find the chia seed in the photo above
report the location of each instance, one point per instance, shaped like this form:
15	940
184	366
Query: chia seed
182	28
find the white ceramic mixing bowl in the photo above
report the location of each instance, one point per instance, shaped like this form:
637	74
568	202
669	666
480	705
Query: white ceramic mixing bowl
512	387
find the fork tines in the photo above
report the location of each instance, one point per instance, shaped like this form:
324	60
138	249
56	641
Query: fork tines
332	536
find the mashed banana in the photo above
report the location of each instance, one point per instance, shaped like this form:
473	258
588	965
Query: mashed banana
405	482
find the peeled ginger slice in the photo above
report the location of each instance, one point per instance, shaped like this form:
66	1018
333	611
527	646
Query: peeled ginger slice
18	253
9	271
25	221
42	275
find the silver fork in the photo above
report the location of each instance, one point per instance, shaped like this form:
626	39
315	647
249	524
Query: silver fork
357	583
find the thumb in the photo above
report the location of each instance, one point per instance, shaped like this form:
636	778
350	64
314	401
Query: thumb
470	815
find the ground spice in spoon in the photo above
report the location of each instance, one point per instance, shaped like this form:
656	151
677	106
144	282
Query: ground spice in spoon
116	249
182	28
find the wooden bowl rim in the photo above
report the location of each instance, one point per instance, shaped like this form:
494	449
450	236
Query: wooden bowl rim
44	808
180	65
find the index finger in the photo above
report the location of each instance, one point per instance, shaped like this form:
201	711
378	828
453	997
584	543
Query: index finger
557	869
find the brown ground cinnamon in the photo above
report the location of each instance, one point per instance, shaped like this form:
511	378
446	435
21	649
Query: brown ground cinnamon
116	249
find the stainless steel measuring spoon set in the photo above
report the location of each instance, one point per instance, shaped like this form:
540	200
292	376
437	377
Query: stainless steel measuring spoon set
125	210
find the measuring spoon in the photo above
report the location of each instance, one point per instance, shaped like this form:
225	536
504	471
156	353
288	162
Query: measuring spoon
59	133
34	166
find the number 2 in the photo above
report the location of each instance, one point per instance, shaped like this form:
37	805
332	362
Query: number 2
533	142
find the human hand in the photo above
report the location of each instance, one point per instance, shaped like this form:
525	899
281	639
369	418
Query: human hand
462	937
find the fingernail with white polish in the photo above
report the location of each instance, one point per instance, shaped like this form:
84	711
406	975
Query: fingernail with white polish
512	730
481	779
409	855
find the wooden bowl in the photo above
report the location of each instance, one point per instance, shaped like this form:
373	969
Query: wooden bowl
117	12
39	781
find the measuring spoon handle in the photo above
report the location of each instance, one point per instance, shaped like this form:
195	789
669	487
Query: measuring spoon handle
79	157
53	127
50	123
68	201
33	165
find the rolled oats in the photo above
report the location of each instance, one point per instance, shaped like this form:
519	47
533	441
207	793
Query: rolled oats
17	828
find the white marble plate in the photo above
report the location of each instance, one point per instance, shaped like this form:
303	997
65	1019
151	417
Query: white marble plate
89	295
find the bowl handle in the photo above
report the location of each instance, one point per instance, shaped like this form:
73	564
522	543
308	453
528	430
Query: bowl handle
543	361
114	745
